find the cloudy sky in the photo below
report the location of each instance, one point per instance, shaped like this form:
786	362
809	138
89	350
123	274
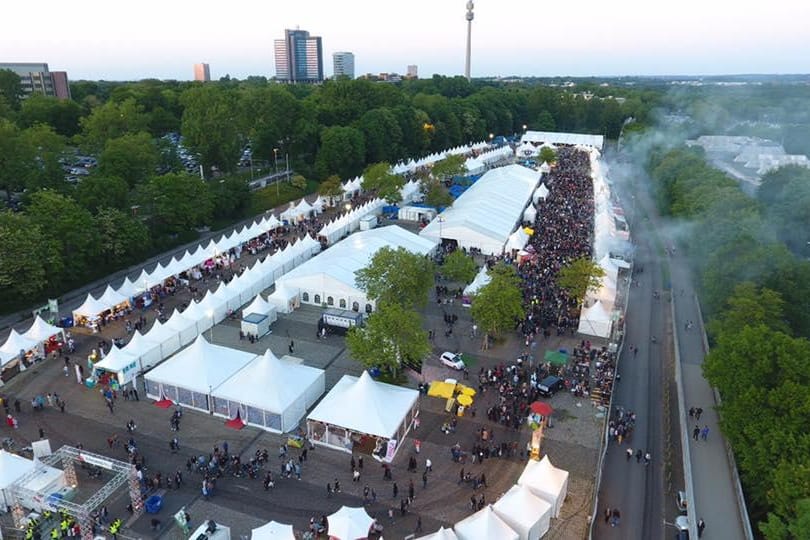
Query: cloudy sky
94	39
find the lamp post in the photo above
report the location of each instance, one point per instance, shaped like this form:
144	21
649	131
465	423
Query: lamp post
275	157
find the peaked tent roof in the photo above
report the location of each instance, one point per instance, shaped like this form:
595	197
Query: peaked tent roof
441	534
273	531
12	468
201	366
40	330
287	382
259	305
112	298
349	523
365	405
524	511
116	360
545	481
484	525
15	343
481	279
128	288
91	307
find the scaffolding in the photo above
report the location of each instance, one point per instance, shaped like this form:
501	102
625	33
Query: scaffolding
67	456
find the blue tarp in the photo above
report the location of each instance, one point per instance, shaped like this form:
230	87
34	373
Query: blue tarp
456	191
390	209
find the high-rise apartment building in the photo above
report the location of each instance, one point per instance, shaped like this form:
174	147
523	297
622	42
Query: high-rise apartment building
36	78
202	72
343	63
413	71
299	57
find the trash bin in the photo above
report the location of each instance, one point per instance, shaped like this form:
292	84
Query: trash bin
153	504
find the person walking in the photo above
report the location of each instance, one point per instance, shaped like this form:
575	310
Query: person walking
696	432
639	455
647	458
691	412
700	526
411	491
698	412
394	491
607	514
704	433
428	465
629	453
461	476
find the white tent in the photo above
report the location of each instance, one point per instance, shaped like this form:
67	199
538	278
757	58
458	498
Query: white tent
540	193
147	351
273	531
185	326
364	406
349	523
168	339
415	213
547	482
112	298
517	240
120	362
128	289
260	306
284	298
530	214
42	331
484	525
485	215
319	204
545	168
270	393
214	308
525	513
189	377
525	150
481	279
474	166
12	468
441	534
550	138
595	321
14	345
90	308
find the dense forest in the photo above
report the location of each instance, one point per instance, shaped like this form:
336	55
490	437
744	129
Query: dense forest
141	197
755	287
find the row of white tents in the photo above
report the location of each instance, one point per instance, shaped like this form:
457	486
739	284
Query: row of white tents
163	340
303	209
412	165
16	345
478	164
350	221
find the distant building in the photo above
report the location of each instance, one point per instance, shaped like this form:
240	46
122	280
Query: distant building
202	73
36	78
299	57
413	71
343	63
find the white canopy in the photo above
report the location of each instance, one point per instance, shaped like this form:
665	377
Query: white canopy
259	305
441	534
270	393
147	351
90	308
120	362
12	468
112	298
525	150
213	307
198	369
481	279
474	166
551	138
484	525
319	204
349	523
485	215
14	344
525	513
545	168
366	406
546	481
168	339
185	326
129	289
273	531
595	321
540	193
284	298
530	214
42	331
517	240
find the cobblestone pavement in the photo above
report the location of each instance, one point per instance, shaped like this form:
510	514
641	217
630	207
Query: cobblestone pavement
242	503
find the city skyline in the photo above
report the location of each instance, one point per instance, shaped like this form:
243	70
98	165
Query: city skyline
510	37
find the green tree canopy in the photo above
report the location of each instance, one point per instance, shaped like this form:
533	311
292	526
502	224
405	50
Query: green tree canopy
10	87
397	276
42	148
29	256
97	191
450	166
382	134
331	188
132	157
62	115
393	335
548	155
750	305
231	195
110	121
379	178
498	304
210	126
122	237
342	152
299	182
580	276
436	195
459	267
175	202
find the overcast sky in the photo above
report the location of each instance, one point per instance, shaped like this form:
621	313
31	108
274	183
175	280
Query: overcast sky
94	39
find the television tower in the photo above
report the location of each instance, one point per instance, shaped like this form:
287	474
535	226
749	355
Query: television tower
470	17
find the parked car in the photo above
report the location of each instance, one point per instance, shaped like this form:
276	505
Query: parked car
550	386
453	360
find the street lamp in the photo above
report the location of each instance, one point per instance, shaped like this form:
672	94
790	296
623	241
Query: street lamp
275	157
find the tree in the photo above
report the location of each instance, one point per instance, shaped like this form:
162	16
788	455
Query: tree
380	179
209	126
382	134
232	197
97	191
342	152
580	276
132	157
397	277
436	195
70	227
331	188
459	267
498	304
123	238
298	182
29	256
393	335
110	121
15	159
42	149
62	115
10	87
750	305
548	155
175	202
450	166
269	115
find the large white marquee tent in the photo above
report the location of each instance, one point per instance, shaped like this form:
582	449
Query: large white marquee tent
270	393
363	406
547	482
16	345
485	215
330	277
189	377
554	138
12	468
525	513
595	320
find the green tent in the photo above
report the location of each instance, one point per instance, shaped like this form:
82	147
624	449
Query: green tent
556	358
